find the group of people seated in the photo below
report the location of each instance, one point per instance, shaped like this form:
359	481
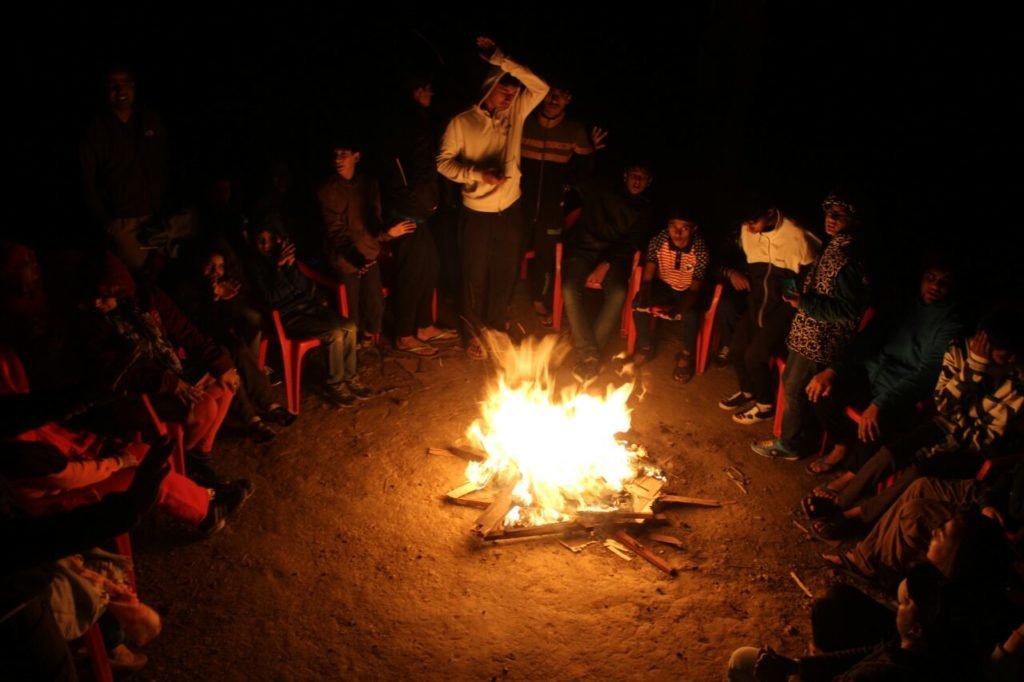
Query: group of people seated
152	340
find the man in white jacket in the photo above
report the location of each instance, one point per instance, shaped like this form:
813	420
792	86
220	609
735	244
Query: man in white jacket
480	151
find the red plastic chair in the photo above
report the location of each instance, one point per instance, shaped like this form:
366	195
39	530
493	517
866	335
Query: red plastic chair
556	313
705	332
292	351
164	429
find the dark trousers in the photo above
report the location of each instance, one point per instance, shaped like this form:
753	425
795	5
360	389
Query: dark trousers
899	458
416	270
256	394
590	338
32	647
365	299
685	329
544	236
846	618
490	264
751	348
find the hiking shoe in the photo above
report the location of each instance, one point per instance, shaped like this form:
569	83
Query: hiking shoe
753	415
585	370
737	399
227	499
357	389
340	395
773	449
260	433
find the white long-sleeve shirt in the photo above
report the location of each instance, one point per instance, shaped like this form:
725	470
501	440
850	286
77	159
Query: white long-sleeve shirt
476	140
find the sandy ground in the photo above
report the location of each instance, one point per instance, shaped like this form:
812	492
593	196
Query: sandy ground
346	564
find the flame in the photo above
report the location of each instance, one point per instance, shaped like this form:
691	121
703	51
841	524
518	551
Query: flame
562	454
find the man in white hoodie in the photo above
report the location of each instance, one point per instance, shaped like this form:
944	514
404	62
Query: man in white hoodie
480	150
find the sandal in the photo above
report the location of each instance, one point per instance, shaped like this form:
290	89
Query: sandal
683	372
443	335
818	506
476	351
846	567
821	466
833	528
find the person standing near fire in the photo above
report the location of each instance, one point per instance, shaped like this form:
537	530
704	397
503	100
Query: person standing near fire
480	150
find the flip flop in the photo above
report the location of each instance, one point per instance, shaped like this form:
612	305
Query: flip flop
817	506
443	335
475	351
423	351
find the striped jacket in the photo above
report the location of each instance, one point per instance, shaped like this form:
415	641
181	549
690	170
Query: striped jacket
976	401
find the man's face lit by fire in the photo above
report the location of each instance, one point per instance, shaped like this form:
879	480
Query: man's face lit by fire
266	243
681	232
501	97
838	219
345	161
213	269
555	102
637	180
423	95
763	222
121	91
936	285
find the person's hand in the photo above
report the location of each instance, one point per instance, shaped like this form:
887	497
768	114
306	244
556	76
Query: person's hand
187	393
287	255
400	229
820	384
771	666
869	430
127	460
980	346
739	281
487	47
492	178
145	485
791	297
597	276
230	381
597	136
226	289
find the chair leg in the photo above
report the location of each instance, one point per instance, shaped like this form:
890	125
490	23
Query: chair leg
780	406
288	360
97	651
433	307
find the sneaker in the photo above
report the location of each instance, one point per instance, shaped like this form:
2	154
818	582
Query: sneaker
722	359
260	433
752	415
339	395
199	468
737	399
357	389
227	500
773	449
585	370
281	416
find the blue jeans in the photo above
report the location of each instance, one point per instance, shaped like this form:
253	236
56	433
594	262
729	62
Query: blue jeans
588	338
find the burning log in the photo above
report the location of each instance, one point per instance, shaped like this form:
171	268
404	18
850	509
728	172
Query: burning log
495	513
644	552
532	531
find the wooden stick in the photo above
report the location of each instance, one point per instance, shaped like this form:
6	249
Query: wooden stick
468	502
495	512
614	515
700	502
466	452
641	550
800	526
531	531
801	585
462	490
667	539
740	486
440	451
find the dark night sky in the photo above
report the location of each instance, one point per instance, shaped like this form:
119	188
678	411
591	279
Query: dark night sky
921	107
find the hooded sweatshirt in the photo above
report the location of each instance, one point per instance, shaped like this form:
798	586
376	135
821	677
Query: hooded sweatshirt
476	140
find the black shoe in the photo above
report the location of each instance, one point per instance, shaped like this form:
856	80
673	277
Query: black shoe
722	359
737	399
200	469
227	500
585	370
260	433
357	389
281	416
340	395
